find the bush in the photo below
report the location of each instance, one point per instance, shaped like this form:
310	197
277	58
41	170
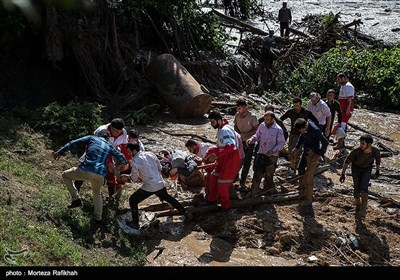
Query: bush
373	72
64	123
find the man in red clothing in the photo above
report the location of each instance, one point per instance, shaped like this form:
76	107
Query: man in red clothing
118	137
346	99
228	161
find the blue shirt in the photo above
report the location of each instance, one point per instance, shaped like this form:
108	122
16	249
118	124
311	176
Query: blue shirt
268	40
313	139
97	152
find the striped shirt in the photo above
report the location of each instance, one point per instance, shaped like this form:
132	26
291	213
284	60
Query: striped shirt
97	152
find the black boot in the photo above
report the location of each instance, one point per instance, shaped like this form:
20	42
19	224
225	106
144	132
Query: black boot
78	184
76	203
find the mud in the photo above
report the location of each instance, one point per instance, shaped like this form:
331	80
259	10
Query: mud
283	234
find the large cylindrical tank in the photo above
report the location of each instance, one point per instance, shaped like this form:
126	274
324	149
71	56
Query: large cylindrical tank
177	87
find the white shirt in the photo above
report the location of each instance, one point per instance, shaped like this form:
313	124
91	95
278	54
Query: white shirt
147	167
114	141
346	91
227	136
320	110
203	149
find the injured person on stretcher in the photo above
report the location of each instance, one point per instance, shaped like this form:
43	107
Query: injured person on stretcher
185	169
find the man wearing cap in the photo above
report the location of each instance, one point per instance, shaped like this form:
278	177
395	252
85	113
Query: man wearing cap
93	168
228	160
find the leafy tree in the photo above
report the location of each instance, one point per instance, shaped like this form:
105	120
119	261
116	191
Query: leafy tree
373	72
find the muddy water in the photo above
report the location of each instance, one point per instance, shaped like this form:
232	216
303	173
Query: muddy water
195	250
378	17
182	246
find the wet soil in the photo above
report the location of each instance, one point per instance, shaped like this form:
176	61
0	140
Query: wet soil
284	233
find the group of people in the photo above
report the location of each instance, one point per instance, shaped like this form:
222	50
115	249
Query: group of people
115	156
310	131
109	153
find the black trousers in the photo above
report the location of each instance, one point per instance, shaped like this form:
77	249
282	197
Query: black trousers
140	195
284	27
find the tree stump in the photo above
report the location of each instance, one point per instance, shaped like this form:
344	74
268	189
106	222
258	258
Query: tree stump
177	87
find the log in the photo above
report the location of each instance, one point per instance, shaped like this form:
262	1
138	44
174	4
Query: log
177	87
166	206
354	22
204	139
386	154
265	199
242	26
383	146
298	32
197	63
196	211
246	26
223	104
318	171
393	176
366	131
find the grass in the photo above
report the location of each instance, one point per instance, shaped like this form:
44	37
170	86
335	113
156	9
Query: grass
35	216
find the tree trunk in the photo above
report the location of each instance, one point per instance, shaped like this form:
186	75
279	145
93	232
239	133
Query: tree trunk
177	87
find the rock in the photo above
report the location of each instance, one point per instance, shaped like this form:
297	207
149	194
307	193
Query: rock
272	250
312	258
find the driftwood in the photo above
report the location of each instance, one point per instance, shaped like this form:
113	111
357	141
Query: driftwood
318	171
298	32
242	24
177	87
366	131
166	206
393	176
196	211
386	154
371	195
197	63
386	148
205	139
355	22
222	104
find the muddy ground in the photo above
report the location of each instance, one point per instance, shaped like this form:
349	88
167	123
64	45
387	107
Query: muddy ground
284	233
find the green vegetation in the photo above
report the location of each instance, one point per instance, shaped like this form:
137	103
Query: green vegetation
64	123
35	216
373	72
184	26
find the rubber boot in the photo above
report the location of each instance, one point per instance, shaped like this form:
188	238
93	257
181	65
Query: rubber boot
364	203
